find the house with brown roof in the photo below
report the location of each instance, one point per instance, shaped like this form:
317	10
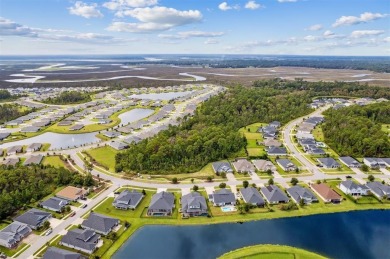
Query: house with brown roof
72	193
326	193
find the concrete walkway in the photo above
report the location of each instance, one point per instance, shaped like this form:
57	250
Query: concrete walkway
185	191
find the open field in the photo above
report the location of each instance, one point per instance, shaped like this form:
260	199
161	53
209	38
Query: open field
104	156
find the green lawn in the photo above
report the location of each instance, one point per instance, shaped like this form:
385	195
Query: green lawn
271	252
53	161
11	252
252	136
104	156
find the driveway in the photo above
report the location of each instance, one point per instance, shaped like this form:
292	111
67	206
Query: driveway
161	190
185	191
209	190
357	171
385	171
255	177
231	177
54	222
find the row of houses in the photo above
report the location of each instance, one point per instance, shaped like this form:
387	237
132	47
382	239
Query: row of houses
242	165
33	147
31	160
380	190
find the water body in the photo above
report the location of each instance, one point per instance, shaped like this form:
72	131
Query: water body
134	115
57	141
355	235
161	96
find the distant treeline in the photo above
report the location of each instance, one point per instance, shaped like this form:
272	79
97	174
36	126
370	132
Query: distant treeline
70	97
10	112
356	130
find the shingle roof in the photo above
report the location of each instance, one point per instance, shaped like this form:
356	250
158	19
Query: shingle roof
36	160
223	196
298	192
163	201
277	150
130	198
243	165
379	188
55	203
328	162
251	195
193	202
57	253
84	239
33	217
325	191
274	194
222	167
14	232
100	223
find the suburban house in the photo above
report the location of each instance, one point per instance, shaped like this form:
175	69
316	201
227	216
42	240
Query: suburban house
286	164
275	124
376	163
276	151
350	162
83	240
222	167
76	127
302	129
243	166
264	165
298	193
268	130
328	162
162	204
326	193
351	188
272	143
33	160
132	140
34	218
33	147
14	150
379	190
4	135
58	253
194	204
30	129
11	161
100	224
252	196
54	204
222	197
118	145
11	235
274	195
128	200
111	134
72	193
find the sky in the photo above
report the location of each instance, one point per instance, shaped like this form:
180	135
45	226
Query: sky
293	27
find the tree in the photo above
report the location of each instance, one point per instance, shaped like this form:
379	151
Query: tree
223	175
209	178
222	185
294	181
112	235
88	180
174	180
240	208
371	178
364	168
46	224
271	181
269	172
247	207
302	202
143	192
67	208
195	188
245	184
318	181
192	180
254	185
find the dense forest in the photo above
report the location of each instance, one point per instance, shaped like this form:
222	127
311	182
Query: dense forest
10	112
69	97
356	130
5	95
21	186
212	133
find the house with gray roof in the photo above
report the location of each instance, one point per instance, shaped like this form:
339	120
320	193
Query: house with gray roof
277	151
252	196
132	140
11	161
30	129
100	223
118	145
111	134
286	164
350	162
351	188
222	197
222	167
83	240
42	123
4	135
76	127
264	165
34	147
128	200
274	195
65	123
34	218
58	253
194	204
11	235
54	204
376	163
328	162
162	204
298	193
33	160
13	150
275	124
379	190
243	166
272	143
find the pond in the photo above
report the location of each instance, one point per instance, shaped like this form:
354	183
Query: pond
57	141
134	115
161	96
362	234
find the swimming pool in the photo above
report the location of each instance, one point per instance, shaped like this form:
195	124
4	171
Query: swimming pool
228	208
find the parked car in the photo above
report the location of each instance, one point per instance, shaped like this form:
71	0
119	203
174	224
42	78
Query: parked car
49	232
72	214
83	206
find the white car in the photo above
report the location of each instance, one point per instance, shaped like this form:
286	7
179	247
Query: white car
49	232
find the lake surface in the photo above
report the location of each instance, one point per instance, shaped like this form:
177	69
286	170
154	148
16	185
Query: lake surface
134	115
161	96
57	141
363	234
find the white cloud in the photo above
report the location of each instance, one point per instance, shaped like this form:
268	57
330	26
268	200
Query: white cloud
252	5
156	18
224	6
312	38
213	41
85	10
366	33
315	27
363	18
120	4
287	1
191	34
10	28
328	33
387	39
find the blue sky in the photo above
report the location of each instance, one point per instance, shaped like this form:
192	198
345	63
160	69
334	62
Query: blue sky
309	27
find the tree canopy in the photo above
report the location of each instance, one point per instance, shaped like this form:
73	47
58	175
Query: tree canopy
69	97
